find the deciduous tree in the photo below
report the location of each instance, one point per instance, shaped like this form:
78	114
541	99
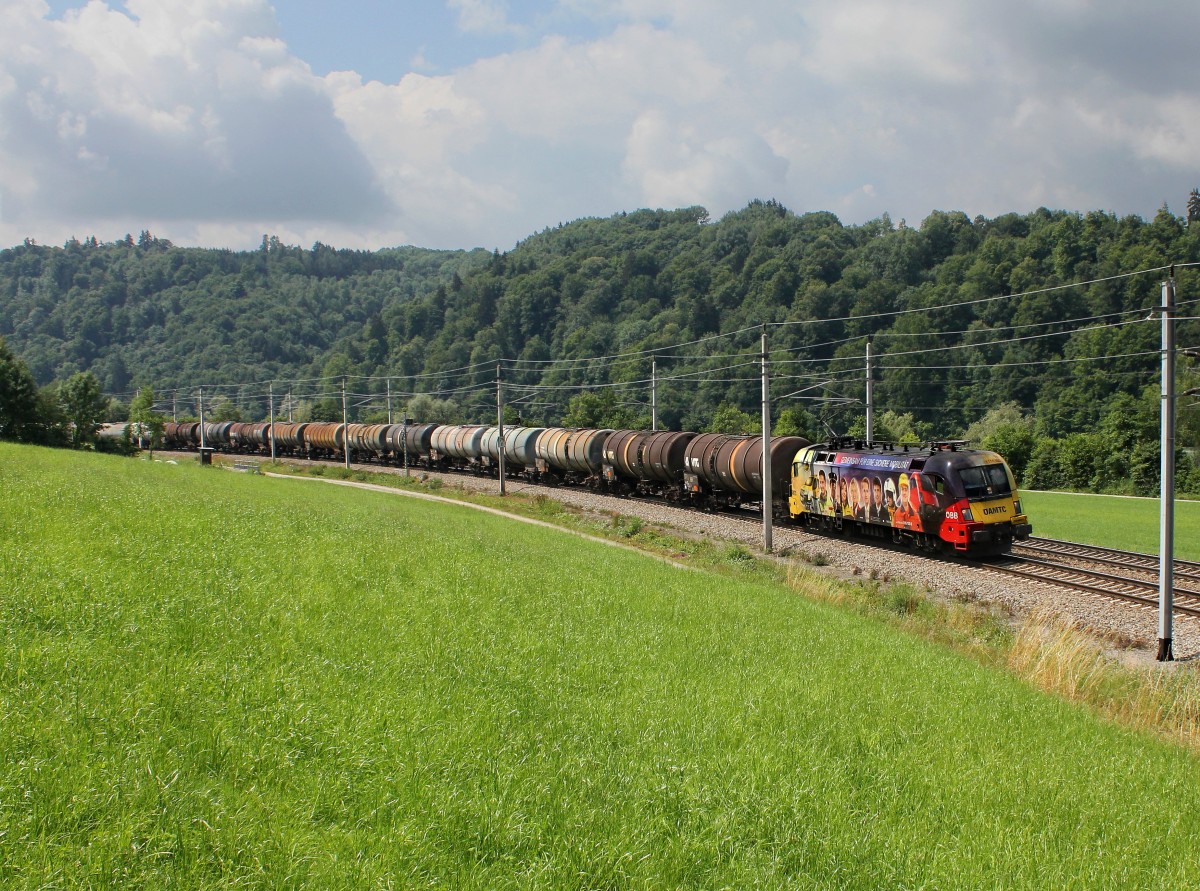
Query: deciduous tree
148	424
731	419
18	397
85	407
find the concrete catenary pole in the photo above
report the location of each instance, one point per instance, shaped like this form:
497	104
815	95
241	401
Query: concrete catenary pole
202	443
1166	524
500	426
389	397
870	394
271	429
405	420
767	490
653	393
345	427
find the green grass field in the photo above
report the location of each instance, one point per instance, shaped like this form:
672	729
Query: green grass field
1130	524
211	679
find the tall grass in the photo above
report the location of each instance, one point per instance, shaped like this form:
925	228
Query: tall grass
223	680
1056	655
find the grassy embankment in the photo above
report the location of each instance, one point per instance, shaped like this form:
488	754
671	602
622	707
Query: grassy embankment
1130	524
209	679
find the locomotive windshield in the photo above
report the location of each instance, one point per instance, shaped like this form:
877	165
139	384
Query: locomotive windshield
987	481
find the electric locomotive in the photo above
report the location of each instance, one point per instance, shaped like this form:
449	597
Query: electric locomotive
941	496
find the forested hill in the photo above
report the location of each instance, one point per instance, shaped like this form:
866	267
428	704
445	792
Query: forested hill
148	313
145	312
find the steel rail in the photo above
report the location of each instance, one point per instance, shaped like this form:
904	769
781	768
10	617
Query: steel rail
1092	582
1098	554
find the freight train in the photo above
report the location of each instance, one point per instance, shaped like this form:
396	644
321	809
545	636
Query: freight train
941	496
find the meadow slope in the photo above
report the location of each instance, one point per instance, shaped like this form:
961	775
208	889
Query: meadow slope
1113	521
209	679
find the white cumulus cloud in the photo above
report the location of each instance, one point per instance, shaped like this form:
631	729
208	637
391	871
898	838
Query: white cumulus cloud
169	111
198	117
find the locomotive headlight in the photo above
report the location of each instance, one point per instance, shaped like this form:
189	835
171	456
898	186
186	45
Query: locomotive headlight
1017	505
967	515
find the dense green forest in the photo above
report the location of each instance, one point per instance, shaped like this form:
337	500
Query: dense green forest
143	312
1030	331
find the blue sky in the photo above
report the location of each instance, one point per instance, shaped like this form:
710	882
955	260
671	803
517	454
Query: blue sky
377	39
384	40
478	122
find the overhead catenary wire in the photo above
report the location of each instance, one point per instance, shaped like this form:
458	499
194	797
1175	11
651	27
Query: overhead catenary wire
974	345
660	351
779	357
853	361
664	352
1062	361
706	374
978	301
847	375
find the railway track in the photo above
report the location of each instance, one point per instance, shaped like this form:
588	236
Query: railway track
1058	563
1033	559
1050	547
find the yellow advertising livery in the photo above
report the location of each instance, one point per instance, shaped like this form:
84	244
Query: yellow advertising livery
938	496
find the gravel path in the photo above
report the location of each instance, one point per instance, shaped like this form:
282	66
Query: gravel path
848	558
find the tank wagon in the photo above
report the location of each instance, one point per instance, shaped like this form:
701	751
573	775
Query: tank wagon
623	456
114	433
289	438
457	446
217	436
325	440
249	437
411	442
519	448
727	469
939	496
355	439
569	455
181	436
637	461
